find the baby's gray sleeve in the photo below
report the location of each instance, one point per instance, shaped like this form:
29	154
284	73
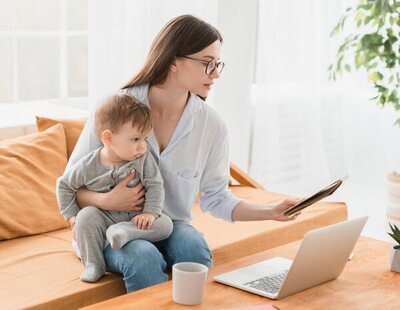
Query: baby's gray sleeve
154	186
66	188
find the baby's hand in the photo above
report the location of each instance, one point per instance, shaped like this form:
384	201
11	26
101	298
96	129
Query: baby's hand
144	220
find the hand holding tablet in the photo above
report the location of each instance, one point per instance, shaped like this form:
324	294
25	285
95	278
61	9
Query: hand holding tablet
329	190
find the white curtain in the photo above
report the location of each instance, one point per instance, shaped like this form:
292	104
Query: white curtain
121	32
307	130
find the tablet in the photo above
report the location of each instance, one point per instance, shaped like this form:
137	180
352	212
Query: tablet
329	190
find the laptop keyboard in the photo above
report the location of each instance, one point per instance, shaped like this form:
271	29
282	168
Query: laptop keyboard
269	284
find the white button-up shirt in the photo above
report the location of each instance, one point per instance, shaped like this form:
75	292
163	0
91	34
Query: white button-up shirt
195	160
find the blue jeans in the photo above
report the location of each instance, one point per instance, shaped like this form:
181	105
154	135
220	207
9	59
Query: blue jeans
144	264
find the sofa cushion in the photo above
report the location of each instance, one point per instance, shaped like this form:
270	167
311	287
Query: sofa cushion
72	127
43	272
30	166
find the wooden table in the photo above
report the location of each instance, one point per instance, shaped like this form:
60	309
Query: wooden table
366	283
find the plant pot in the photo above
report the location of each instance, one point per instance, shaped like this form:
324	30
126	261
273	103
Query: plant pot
393	197
395	258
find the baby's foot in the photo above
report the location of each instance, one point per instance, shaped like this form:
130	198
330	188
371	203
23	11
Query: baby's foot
92	273
119	234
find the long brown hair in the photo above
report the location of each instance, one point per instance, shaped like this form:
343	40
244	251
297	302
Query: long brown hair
181	36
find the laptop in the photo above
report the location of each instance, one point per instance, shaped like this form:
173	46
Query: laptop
320	258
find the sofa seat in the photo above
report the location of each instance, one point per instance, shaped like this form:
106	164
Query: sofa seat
42	272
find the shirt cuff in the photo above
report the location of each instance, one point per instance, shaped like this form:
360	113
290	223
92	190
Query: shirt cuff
70	211
228	207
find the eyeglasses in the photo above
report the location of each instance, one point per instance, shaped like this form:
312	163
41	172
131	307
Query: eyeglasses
210	65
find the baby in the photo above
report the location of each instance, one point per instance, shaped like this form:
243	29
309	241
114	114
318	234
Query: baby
122	124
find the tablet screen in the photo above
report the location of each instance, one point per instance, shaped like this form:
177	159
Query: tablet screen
329	190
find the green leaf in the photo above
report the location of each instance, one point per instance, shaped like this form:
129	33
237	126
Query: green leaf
347	67
383	91
396	230
334	31
372	66
373	10
394	237
387	46
359	16
338	26
367	19
374	39
394	99
359	60
339	64
366	7
375	76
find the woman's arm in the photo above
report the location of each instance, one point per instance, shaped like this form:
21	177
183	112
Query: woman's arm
220	202
85	198
121	197
246	211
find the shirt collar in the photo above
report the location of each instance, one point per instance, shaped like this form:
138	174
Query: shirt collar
184	126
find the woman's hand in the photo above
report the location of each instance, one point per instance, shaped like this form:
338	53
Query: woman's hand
276	212
123	198
120	198
247	211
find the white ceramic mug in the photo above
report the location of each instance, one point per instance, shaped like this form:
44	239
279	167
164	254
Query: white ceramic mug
188	283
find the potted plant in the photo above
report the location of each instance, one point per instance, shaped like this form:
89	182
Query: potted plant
374	47
395	251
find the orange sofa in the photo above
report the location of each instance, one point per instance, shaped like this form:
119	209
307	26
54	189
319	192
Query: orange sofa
38	269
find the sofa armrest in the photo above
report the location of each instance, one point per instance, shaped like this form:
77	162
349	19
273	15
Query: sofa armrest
243	178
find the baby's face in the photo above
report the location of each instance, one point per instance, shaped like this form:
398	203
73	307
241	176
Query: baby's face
129	143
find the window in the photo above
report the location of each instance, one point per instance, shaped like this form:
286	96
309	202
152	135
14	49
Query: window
43	50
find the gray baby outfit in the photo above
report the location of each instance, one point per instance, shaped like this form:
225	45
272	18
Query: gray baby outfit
94	225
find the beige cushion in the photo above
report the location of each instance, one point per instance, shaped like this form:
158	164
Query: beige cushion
30	166
72	128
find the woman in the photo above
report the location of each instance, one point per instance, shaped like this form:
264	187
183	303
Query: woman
190	143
